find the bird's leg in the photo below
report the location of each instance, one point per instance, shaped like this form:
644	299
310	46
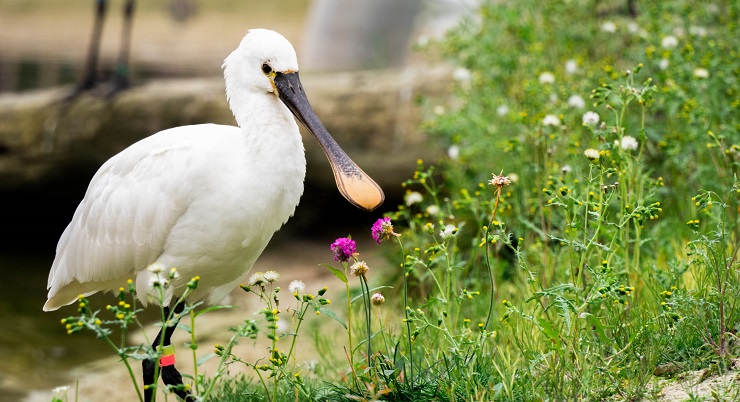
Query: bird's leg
170	375
121	71
91	66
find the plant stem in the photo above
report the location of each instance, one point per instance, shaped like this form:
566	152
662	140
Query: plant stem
488	261
406	312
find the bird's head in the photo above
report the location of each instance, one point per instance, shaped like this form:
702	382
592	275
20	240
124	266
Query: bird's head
265	62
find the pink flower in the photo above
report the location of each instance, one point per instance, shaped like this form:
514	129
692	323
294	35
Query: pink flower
382	230
344	248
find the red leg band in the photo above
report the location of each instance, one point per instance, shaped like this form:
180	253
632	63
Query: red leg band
168	360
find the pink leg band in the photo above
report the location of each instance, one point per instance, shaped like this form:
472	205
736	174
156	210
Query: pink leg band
168	360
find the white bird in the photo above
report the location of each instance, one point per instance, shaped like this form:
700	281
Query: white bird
203	198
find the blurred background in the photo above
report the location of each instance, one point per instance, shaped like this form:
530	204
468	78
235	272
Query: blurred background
358	64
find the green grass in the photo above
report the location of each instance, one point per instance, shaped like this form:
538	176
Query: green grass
611	252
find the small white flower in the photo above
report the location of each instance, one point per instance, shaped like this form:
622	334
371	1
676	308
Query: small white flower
271	276
698	31
60	390
413	197
571	66
439	110
553	98
433	210
448	231
453	152
633	28
590	118
513	177
609	27
547	78
359	268
551	120
502	110
257	278
628	143
663	64
669	42
155	281
462	75
566	169
296	286
591	154
701	73
575	101
155	268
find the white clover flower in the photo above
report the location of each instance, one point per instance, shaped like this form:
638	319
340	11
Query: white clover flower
359	268
502	110
296	286
591	154
701	73
551	120
628	143
547	78
575	101
448	231
433	210
271	276
609	27
155	268
257	278
453	152
413	197
663	64
571	66
377	299
669	42
590	118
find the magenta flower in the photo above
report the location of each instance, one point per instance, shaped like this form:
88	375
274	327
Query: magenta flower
344	248
383	230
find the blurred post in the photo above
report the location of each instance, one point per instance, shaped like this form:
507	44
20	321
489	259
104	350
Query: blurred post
344	35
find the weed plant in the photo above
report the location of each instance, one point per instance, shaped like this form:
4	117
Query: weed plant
580	240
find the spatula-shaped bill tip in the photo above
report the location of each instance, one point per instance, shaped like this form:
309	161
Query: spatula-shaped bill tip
354	184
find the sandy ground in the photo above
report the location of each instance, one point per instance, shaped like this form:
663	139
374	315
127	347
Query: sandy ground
107	380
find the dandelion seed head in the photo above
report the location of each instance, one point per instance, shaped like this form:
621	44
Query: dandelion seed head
296	286
663	64
453	152
432	210
628	143
571	66
669	42
547	78
576	102
590	118
551	120
591	154
257	278
448	231
502	110
271	276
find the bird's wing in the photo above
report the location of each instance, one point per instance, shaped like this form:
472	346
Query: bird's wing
122	224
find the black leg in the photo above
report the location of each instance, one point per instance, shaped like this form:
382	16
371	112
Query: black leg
121	72
91	66
170	375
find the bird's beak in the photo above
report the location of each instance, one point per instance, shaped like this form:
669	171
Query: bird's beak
354	184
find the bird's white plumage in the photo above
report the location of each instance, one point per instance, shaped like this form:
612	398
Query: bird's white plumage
204	198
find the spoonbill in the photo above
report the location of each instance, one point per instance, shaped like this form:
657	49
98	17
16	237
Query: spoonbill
203	198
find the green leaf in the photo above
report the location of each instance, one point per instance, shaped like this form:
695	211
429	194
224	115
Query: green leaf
339	274
334	316
212	308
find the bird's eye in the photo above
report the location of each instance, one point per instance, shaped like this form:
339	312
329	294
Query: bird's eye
266	68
